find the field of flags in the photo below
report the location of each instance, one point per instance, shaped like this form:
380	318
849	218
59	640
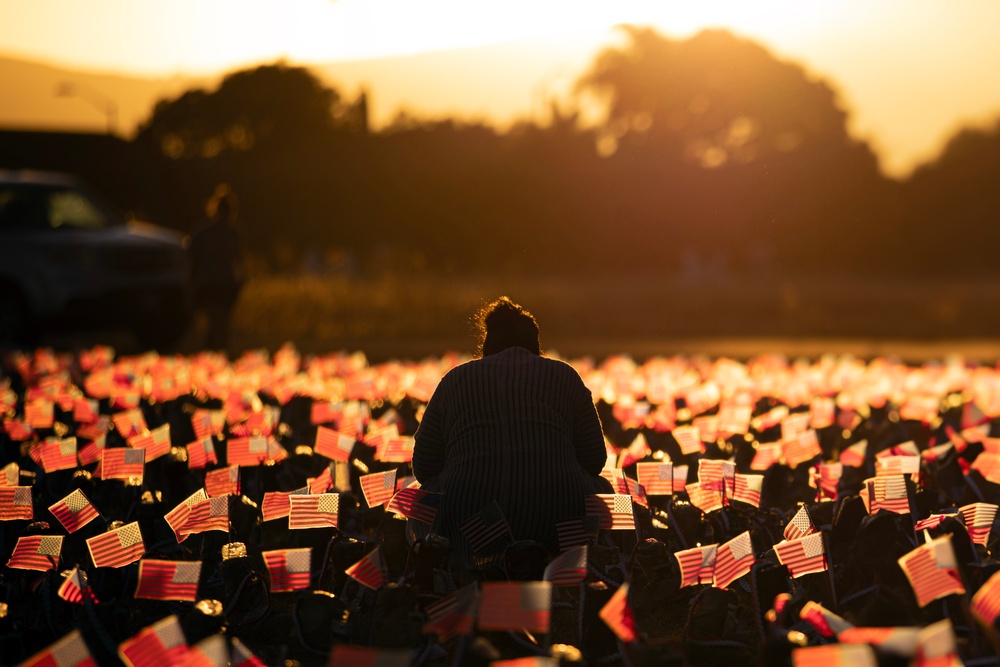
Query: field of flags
192	510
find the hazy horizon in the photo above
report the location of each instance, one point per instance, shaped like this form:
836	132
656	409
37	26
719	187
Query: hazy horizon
910	73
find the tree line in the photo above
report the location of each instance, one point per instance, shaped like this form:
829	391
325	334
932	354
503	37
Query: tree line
715	157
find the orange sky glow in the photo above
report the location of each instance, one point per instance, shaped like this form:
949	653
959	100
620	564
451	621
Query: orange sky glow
911	71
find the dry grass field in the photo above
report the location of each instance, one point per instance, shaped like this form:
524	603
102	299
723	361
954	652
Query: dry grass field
418	316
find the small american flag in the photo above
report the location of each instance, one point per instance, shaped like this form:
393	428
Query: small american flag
697	565
206	515
978	519
10	474
805	555
636	451
656	478
614	510
701	397
313	511
800	449
896	465
453	614
324	412
74	511
734	419
707	500
378	436
835	655
936	646
252	451
177	517
117	547
156	442
733	559
162	643
986	601
74	587
70	651
86	410
770	418
289	569
201	452
854	456
824	621
92	451
207	423
276	504
795	424
332	444
129	422
122	463
747	489
396	450
800	525
241	656
378	487
826	479
209	652
880	637
688	438
708	427
223	482
370	571
767	454
716	475
414	503
886	493
57	454
168	580
322	482
932	571
618	616
15	503
17	430
988	465
821	411
569	568
39	413
36	552
515	605
680	478
577	531
484	528
933	521
617	478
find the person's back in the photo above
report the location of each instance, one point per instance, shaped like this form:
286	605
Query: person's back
515	428
218	264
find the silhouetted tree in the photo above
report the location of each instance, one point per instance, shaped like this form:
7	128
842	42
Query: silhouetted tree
951	215
722	148
271	104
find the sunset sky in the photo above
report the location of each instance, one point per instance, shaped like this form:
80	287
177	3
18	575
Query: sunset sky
911	71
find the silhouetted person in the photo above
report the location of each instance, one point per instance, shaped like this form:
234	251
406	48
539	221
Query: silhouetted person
218	253
511	427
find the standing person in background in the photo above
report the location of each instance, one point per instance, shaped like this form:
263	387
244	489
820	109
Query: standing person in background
218	259
512	428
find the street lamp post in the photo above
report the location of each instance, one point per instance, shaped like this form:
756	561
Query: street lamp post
93	97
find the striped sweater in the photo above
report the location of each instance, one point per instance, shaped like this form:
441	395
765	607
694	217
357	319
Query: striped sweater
516	428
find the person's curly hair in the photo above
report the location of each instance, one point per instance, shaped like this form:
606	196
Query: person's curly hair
502	324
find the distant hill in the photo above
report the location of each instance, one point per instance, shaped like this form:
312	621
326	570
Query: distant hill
29	98
499	82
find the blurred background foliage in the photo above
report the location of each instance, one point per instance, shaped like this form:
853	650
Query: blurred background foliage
720	176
